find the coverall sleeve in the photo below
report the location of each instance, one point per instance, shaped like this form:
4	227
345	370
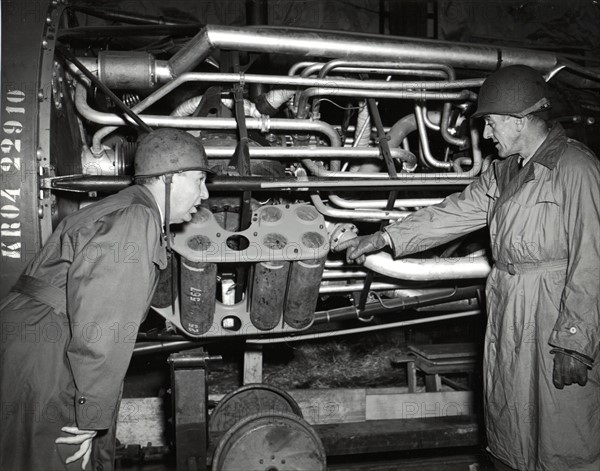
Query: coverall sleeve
109	287
459	214
578	324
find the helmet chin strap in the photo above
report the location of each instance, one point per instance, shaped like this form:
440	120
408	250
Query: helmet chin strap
168	181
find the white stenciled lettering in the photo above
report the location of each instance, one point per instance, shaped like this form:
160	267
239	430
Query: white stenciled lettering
10	195
10	167
10	164
10	230
11	250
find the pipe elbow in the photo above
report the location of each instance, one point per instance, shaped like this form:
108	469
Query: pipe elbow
428	269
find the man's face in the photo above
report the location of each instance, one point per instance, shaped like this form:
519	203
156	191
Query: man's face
503	130
187	191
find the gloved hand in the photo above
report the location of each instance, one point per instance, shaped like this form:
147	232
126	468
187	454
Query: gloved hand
83	438
568	369
361	245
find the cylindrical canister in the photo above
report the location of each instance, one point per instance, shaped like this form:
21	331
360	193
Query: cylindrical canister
198	295
127	70
268	293
303	292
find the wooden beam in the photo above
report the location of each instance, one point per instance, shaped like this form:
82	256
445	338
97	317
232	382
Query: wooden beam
378	436
142	420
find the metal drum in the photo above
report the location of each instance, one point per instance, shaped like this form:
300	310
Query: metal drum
198	292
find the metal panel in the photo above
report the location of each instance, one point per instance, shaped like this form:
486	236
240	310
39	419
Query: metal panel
23	25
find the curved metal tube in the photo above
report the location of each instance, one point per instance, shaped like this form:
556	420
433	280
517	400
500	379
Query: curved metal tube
204	123
412	68
314	67
445	126
430	124
378	70
355	214
381	204
430	159
428	269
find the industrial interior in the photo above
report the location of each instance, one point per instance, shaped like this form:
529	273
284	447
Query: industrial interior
323	120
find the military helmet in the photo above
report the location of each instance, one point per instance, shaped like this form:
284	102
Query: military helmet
169	150
516	90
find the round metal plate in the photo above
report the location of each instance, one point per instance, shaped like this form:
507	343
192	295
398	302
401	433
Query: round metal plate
270	442
249	400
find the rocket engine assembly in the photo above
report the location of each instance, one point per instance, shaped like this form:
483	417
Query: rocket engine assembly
315	136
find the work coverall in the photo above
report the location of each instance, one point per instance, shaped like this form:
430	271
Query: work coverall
544	226
68	330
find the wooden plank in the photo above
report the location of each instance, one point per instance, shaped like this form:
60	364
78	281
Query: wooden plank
329	406
445	350
462	462
142	420
419	405
378	436
253	364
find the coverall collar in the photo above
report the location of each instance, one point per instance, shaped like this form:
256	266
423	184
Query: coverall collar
147	195
548	153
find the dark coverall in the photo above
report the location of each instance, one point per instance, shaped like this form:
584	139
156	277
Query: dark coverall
544	291
68	330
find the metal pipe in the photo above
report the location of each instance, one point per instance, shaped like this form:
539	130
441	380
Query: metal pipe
445	128
430	159
413	67
331	289
298	66
351	46
355	214
430	124
320	152
376	70
361	330
236	78
401	94
404	180
337	274
148	348
461	304
442	69
287	184
380	204
203	123
428	269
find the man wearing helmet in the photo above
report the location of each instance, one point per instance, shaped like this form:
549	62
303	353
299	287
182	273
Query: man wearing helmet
541	203
70	322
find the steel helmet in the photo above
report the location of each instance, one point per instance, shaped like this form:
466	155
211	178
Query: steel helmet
516	90
169	150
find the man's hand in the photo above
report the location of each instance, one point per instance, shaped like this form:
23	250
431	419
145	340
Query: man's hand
81	437
361	245
568	370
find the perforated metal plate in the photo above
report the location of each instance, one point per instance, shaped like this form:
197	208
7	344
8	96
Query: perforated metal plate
277	232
